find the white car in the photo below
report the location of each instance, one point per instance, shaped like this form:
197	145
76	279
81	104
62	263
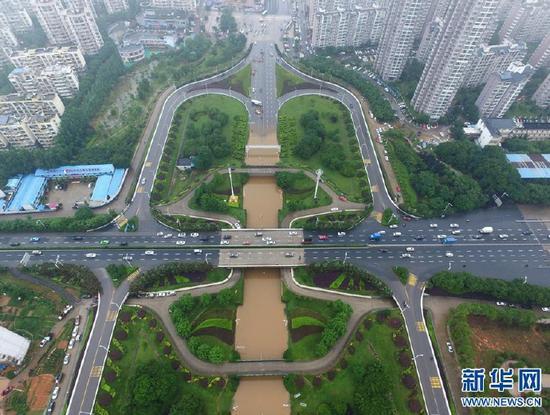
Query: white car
545	309
71	344
181	235
334	209
180	242
382	232
270	242
406	255
456	232
168	235
454	225
503	236
149	252
91	255
224	242
66	359
55	392
341	234
160	233
501	304
127	258
292	233
433	225
143	181
194	235
449	254
450	347
397	234
409	249
442	236
393	226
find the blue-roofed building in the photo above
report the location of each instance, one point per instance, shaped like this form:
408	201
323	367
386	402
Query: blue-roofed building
107	187
531	166
27	196
76	171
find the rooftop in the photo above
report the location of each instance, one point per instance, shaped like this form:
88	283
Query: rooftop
531	166
12	345
494	125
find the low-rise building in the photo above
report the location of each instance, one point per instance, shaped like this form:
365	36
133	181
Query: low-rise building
13	347
38	59
160	19
493	131
57	79
131	53
27	106
150	39
174	4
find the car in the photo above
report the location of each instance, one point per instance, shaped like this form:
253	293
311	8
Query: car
234	255
104	242
222	242
382	232
194	234
181	235
15	244
226	237
77	320
450	347
341	234
409	249
454	225
167	236
35	239
51	407
246	243
270	242
503	236
45	340
7	390
258	234
197	251
419	238
91	255
546	309
59	377
149	253
143	181
456	232
289	254
449	254
406	255
342	198
441	236
477	236
501	304
323	237
181	242
127	258
35	252
382	250
334	209
406	217
71	344
397	234
160	233
78	238
123	243
78	337
433	225
527	233
393	226
292	233
66	359
75	332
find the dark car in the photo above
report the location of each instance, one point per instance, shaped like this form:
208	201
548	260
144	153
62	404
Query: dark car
51	407
227	237
123	243
15	244
77	238
419	238
527	233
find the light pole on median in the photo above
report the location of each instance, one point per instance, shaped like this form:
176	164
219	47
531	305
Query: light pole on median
206	256
445	210
345	256
417	356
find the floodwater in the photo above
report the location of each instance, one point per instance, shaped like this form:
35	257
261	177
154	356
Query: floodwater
263	149
262	200
261	396
261	332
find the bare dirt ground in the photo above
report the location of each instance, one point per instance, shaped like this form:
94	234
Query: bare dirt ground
265	396
261	331
262	200
39	392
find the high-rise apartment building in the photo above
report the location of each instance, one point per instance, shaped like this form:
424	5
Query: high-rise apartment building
22	106
346	22
74	24
502	88
527	20
38	59
60	80
541	56
29	131
174	4
464	26
432	26
490	59
396	45
115	6
14	16
542	94
7	38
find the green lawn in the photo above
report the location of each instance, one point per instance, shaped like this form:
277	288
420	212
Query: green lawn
142	345
340	135
171	184
242	80
286	81
34	309
119	272
374	344
298	192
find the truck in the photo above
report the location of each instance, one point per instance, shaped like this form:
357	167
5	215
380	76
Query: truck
448	240
486	230
256	102
375	236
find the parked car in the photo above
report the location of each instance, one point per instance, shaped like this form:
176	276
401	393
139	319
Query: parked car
66	359
501	304
450	347
449	254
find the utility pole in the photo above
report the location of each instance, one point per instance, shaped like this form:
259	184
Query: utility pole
231	181
318	173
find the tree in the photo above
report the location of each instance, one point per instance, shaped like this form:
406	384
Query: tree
189	404
154	388
227	21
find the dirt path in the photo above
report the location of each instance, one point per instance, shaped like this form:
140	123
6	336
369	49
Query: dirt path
262	201
261	332
265	396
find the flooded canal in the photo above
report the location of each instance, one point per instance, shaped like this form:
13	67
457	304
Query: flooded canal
261	332
261	396
263	149
262	200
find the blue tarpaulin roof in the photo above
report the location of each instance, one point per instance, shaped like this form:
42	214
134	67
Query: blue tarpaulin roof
79	171
531	166
107	185
30	190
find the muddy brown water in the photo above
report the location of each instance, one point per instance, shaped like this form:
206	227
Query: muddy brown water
262	200
261	332
262	156
261	396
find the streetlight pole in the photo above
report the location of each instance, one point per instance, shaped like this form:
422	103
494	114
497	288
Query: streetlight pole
345	256
318	174
417	356
206	257
445	210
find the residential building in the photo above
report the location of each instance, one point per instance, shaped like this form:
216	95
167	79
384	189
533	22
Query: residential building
7	38
38	59
57	79
28	131
527	20
174	4
490	59
161	19
14	16
493	131
131	53
542	94
433	24
395	47
502	88
346	22
464	26
27	106
51	16
13	347
84	30
541	56
115	6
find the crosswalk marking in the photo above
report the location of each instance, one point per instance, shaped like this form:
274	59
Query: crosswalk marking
96	372
140	189
412	279
420	326
374	188
436	382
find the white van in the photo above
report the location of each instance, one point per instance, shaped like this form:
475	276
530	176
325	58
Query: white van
197	251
